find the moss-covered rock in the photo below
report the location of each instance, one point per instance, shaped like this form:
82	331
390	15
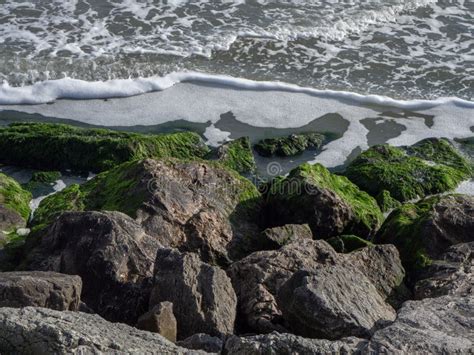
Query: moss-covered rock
63	147
386	201
14	197
14	210
199	206
42	178
289	146
237	155
331	204
422	231
429	167
347	243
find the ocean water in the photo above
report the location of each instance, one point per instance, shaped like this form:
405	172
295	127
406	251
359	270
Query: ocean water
392	71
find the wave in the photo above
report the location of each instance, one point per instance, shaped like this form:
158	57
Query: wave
68	88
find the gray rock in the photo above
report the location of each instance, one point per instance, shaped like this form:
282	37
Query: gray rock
109	251
9	220
40	289
202	295
160	319
333	302
275	238
442	325
258	277
452	274
43	331
203	342
282	343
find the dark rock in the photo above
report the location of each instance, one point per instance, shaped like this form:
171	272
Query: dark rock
160	319
40	289
202	295
109	251
329	203
275	238
44	331
422	232
452	274
203	342
347	243
283	343
440	325
289	146
194	206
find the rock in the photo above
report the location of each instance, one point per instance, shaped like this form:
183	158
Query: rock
43	331
160	319
442	325
275	238
347	243
259	277
386	201
14	208
289	146
203	342
109	251
41	180
329	203
283	343
237	155
193	206
202	295
62	147
429	167
333	302
40	289
452	274
423	231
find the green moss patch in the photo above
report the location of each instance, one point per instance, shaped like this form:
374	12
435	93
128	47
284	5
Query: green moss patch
289	146
347	243
237	155
63	147
14	197
429	167
386	201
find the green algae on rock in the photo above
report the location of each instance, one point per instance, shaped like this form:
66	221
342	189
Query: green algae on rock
289	146
347	243
14	197
237	155
422	231
429	167
332	205
42	178
386	201
63	147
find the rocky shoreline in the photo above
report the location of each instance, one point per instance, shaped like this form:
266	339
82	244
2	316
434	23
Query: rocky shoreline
176	248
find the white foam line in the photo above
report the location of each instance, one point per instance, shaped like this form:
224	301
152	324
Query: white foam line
68	88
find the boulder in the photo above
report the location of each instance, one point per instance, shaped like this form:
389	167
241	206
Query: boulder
202	295
203	342
160	319
33	330
258	278
109	251
347	243
193	206
40	289
386	201
429	167
332	303
237	155
423	231
63	147
275	238
452	274
14	208
291	145
284	343
442	325
329	203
